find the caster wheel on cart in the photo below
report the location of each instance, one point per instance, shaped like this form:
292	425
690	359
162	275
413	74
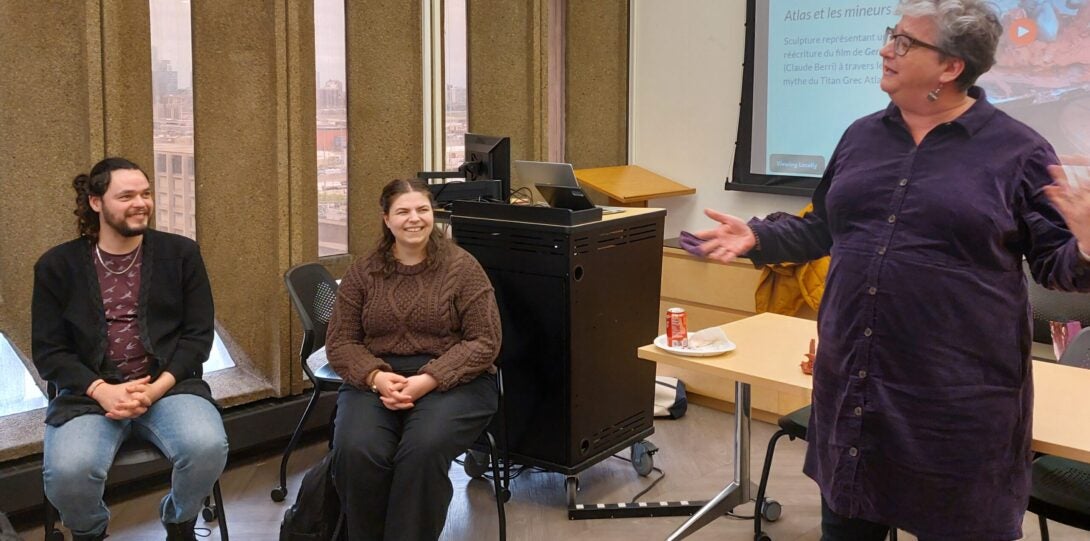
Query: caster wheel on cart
762	537
505	495
571	485
476	464
642	455
210	513
771	510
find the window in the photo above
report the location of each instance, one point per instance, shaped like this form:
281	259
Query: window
18	391
455	92
172	108
219	358
446	95
332	123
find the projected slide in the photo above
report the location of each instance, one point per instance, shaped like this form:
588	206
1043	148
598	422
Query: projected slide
817	69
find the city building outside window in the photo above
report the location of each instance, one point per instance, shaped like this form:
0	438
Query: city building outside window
173	132
456	94
332	127
172	116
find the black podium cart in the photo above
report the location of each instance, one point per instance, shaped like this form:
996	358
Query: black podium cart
576	301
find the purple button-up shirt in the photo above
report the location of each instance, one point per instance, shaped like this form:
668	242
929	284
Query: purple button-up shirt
922	401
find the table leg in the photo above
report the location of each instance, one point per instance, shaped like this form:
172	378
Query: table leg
738	491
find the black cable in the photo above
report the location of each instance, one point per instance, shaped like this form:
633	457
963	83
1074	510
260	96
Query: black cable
662	475
435	195
516	469
648	488
528	194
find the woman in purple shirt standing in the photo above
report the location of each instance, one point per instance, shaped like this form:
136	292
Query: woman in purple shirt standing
922	401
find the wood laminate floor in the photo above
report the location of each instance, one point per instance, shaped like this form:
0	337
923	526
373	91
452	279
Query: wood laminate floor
695	453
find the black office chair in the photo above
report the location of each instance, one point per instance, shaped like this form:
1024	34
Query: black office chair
312	290
1051	305
136	451
1061	487
476	463
793	425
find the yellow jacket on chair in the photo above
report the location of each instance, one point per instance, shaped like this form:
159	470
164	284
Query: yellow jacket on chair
784	287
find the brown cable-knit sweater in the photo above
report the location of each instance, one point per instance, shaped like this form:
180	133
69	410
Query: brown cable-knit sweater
447	310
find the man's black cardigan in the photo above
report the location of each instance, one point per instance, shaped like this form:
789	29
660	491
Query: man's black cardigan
175	317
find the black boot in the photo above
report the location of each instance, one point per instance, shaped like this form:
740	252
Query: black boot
181	531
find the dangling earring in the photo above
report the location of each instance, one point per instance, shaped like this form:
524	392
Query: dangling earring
934	94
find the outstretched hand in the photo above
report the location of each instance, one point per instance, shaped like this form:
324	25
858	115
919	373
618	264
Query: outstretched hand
1072	198
729	240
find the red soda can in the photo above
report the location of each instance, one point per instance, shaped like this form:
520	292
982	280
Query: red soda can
677	328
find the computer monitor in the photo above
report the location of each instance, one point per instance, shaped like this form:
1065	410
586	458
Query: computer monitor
488	158
486	171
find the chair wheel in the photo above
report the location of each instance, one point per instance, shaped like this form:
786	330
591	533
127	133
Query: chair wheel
771	510
278	494
642	454
762	537
476	464
210	513
505	495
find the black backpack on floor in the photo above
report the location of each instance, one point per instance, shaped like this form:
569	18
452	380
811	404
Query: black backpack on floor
316	512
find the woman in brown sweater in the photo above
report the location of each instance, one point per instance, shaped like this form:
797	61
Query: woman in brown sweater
414	333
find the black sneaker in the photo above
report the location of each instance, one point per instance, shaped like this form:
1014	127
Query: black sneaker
181	531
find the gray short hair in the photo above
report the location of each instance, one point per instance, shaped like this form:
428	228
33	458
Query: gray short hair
968	29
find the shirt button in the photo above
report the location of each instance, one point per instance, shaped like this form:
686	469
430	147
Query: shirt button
862	373
892	218
853	451
882	250
858	411
872	290
867	332
904	182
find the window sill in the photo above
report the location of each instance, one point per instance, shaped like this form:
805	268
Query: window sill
21	433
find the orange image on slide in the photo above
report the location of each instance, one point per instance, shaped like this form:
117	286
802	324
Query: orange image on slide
1022	31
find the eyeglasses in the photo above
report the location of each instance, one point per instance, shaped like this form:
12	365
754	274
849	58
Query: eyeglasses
902	43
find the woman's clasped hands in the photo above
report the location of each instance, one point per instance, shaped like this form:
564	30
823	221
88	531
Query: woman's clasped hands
398	392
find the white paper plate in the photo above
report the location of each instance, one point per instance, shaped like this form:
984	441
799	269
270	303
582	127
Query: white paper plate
705	351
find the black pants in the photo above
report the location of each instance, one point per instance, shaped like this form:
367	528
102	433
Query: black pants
390	467
836	527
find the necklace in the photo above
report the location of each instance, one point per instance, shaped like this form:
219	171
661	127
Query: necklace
107	268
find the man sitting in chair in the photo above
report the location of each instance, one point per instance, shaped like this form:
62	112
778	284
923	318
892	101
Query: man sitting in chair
122	321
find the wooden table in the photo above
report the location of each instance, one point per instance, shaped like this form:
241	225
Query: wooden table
630	185
769	349
1061	416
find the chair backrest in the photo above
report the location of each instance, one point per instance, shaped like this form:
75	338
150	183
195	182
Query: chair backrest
312	290
1078	351
1051	305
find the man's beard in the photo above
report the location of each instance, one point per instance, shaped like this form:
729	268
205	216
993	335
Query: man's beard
119	224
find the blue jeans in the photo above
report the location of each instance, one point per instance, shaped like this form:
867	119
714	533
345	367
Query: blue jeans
186	428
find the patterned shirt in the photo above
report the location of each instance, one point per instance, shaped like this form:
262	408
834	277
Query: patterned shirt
119	282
